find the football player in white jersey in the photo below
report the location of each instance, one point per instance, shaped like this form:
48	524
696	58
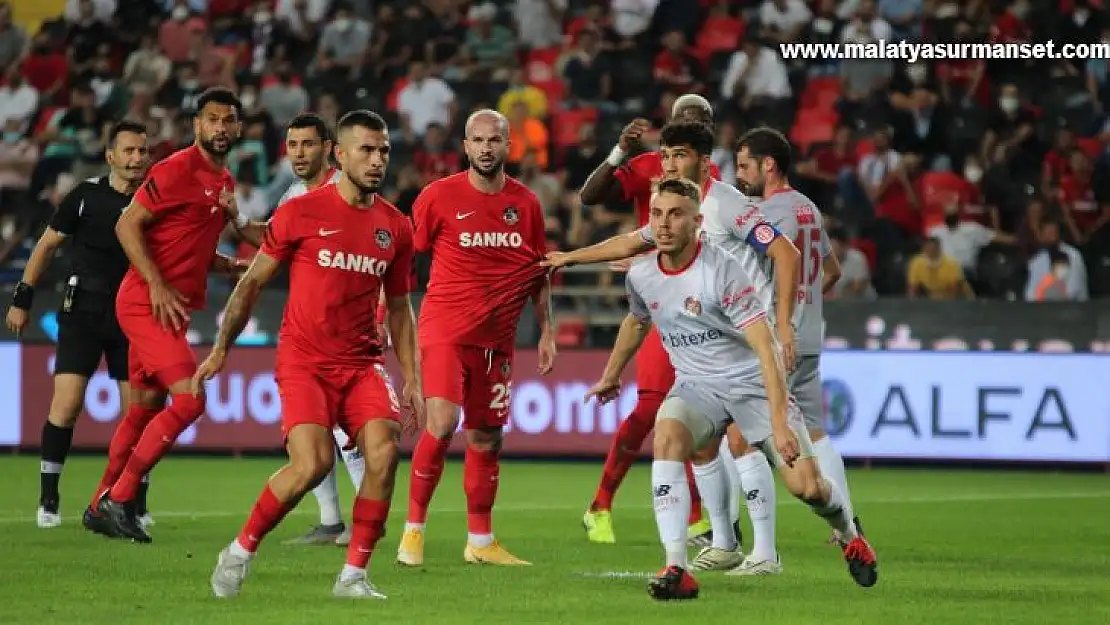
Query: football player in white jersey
763	156
308	145
730	220
729	369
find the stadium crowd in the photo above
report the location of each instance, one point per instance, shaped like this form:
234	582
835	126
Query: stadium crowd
947	179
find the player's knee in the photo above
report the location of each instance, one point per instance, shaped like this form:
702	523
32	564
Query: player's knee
309	469
816	434
671	440
737	444
188	406
484	439
64	414
443	417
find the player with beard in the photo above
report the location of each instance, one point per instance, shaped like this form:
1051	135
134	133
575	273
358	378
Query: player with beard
345	245
485	232
169	233
620	179
87	326
308	145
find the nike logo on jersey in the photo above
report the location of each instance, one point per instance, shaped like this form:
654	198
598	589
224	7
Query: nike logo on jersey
464	215
328	233
490	239
209	193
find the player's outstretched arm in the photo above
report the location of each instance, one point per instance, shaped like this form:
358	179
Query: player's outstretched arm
237	312
619	247
629	338
252	231
762	341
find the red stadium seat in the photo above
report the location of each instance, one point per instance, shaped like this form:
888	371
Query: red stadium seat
813	126
821	93
540	71
568	124
1091	146
572	333
719	34
938	190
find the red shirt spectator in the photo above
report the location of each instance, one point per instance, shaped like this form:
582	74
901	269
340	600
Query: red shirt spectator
1010	28
971	204
675	67
1077	198
967	76
47	70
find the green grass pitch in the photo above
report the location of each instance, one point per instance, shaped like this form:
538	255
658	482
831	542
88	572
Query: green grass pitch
954	547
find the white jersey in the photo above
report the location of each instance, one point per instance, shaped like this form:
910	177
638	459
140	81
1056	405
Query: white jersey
797	218
701	313
299	187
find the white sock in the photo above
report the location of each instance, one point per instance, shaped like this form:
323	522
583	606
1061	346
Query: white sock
239	550
351	572
672	507
713	485
832	465
758	484
480	540
725	454
352	457
356	465
327	495
414	526
837	512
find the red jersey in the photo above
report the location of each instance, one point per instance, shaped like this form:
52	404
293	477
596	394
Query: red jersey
486	250
340	259
636	177
1078	199
183	192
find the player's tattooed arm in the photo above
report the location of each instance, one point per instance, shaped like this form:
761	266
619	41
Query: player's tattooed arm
237	312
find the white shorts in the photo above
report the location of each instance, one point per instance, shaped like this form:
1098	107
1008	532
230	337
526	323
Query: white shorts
805	386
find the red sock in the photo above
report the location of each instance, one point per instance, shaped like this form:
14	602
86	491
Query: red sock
156	441
481	471
695	496
427	467
125	437
626	448
367	526
268	511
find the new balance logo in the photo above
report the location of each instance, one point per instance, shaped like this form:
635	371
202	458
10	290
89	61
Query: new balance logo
752	495
662	490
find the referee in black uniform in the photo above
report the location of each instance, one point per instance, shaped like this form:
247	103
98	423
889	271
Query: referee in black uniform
87	326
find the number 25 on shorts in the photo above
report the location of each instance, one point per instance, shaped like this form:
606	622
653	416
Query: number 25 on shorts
501	393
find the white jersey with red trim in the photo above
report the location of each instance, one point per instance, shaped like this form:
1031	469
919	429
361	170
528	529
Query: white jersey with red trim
300	187
701	312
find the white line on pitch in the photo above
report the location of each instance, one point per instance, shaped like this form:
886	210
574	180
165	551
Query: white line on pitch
953	498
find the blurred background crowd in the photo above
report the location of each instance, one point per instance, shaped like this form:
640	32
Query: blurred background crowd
941	179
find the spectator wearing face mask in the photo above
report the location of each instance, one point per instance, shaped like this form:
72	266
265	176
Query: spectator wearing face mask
175	35
963	240
1041	265
1053	286
1012	127
973	204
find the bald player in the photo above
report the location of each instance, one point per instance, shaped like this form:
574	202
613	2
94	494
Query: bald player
485	232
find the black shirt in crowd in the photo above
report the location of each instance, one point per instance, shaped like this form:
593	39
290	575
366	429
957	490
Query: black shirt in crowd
87	217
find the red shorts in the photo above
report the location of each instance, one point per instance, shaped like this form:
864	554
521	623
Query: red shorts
475	378
156	357
345	397
654	373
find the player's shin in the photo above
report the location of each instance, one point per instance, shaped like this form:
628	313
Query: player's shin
428	458
830	504
831	464
156	440
671	498
368	526
267	513
481	473
725	454
327	496
624	450
123	442
712	481
757	484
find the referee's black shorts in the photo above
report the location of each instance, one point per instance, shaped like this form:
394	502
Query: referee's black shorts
88	332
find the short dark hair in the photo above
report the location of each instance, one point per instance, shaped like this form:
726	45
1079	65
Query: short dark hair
697	135
838	234
681	186
1056	256
123	126
311	120
768	143
219	95
361	118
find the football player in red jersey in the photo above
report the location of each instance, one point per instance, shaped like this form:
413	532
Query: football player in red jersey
621	180
344	245
485	231
169	233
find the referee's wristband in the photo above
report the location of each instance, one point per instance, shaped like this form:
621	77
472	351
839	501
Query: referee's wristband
616	156
24	296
